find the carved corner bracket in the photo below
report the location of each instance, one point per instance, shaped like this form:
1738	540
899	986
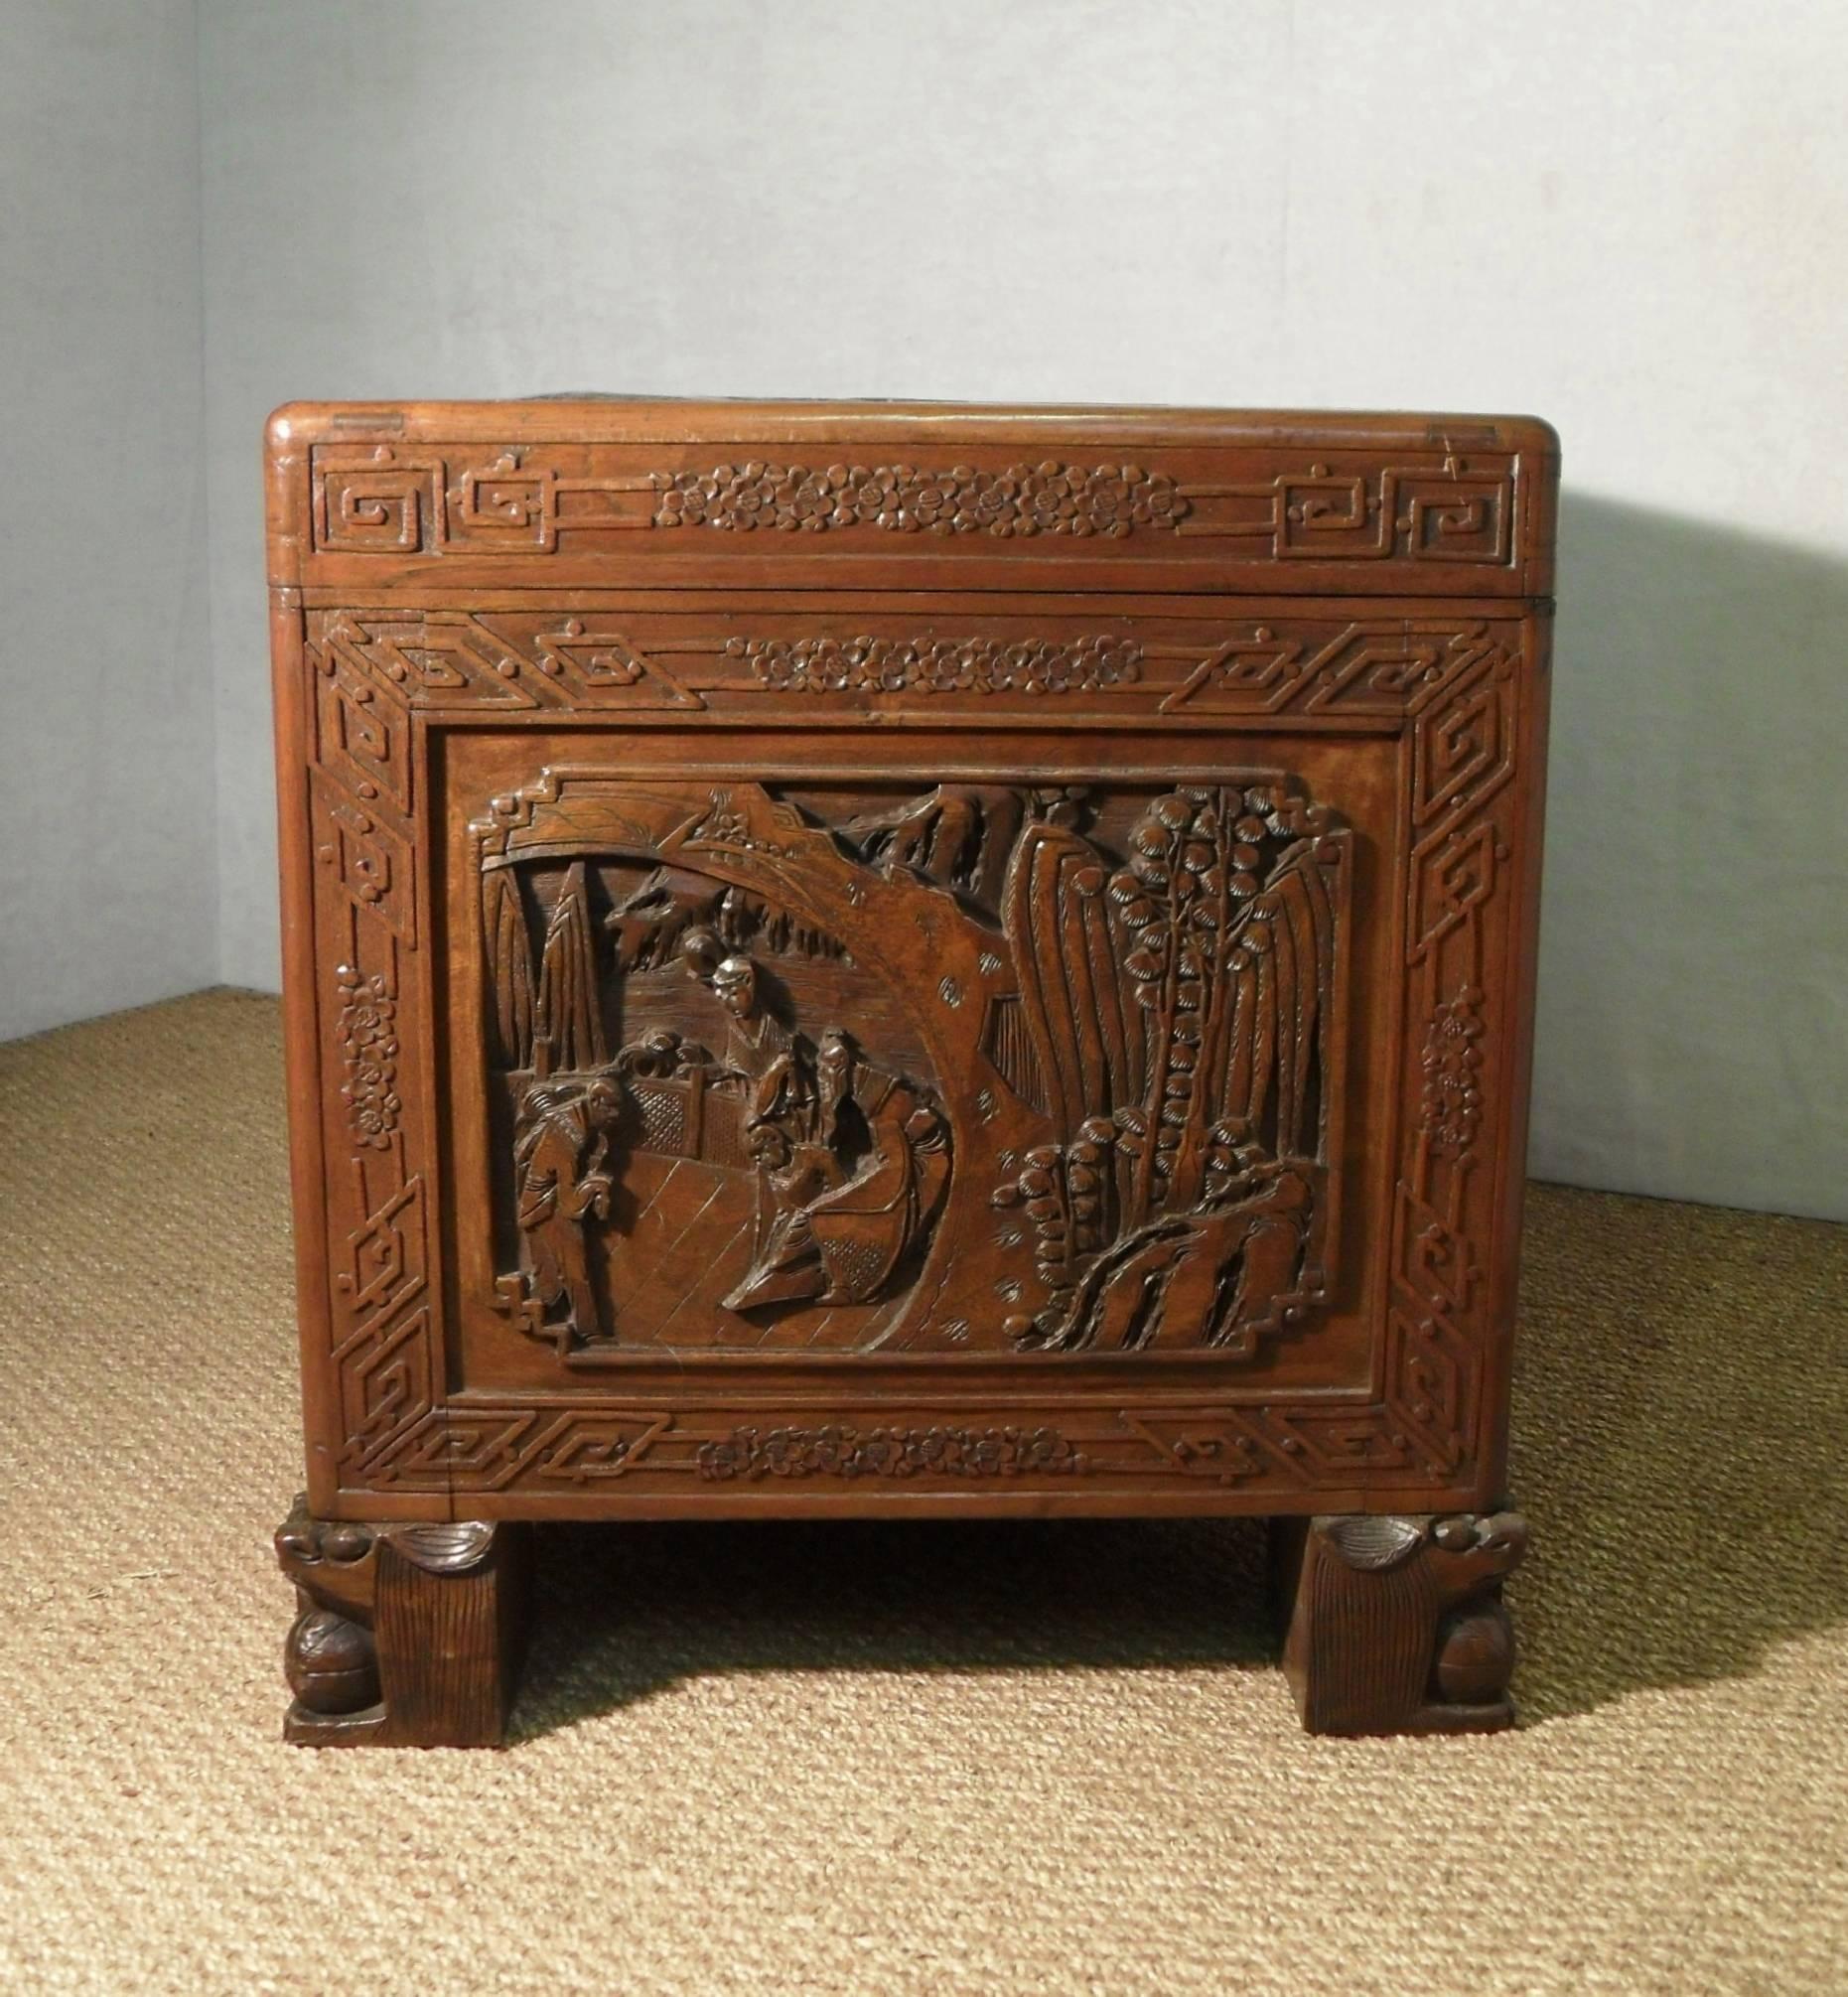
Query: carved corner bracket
1396	1625
406	1636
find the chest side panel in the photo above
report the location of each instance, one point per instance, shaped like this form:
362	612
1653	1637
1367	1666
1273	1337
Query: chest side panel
1001	1048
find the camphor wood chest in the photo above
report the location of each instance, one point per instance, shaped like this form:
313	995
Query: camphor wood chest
875	958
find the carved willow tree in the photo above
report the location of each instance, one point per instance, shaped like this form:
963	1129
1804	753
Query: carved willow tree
1178	1015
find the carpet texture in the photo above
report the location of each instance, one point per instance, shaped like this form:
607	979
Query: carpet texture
936	1757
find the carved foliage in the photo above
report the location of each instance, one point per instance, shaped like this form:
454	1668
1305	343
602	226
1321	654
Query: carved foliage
367	1034
1024	500
1452	1105
932	665
846	1451
1181	1013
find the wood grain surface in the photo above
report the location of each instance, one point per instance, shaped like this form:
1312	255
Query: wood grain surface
883	957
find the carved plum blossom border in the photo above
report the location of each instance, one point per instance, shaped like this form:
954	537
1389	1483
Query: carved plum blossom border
928	665
1452	1061
367	1034
1023	500
842	1451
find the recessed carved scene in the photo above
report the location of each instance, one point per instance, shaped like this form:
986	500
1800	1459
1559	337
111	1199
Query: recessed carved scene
761	1055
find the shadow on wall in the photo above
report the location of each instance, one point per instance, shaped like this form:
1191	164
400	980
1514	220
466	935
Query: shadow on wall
1693	1013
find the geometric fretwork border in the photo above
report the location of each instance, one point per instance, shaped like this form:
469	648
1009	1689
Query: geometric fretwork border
370	682
516	501
385	664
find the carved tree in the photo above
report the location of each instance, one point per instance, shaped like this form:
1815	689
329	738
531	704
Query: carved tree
510	968
569	1015
1179	1201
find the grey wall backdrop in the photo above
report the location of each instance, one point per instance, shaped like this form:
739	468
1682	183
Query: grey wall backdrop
109	891
1328	205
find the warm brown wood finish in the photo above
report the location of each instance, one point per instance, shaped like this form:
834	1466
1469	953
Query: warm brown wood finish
407	1636
1395	1626
862	958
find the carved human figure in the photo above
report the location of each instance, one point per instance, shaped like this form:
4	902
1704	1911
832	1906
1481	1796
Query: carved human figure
868	1182
564	1179
786	1267
864	1226
759	1048
737	986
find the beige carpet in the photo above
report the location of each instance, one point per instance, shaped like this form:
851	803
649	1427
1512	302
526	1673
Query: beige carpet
948	1757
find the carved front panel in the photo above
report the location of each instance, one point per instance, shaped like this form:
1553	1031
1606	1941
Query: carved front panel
741	1062
767	1066
984	1066
778	1027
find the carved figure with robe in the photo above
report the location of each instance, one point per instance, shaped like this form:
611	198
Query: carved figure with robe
563	1179
888	1152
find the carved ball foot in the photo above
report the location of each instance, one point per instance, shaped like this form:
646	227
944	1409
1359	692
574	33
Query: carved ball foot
408	1636
1395	1625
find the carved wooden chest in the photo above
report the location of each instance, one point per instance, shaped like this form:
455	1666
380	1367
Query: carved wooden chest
913	959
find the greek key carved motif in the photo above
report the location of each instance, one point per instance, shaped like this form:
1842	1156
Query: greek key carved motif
366	852
1457	510
1377	666
451	660
518	500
